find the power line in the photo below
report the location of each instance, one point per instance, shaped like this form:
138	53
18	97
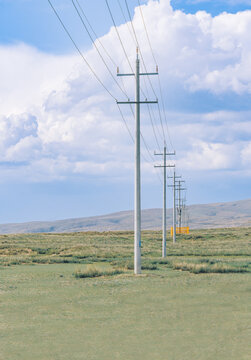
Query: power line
142	16
123	118
123	14
131	136
121	42
136	38
154	58
95	34
156	138
94	73
129	14
126	55
162	101
80	52
98	40
101	56
115	26
87	63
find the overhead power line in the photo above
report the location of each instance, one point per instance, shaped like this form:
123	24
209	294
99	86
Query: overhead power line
102	58
120	40
154	58
93	41
129	63
145	68
80	52
126	22
143	19
95	75
136	38
95	34
126	55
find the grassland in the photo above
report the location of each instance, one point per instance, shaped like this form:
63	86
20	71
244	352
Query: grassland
73	296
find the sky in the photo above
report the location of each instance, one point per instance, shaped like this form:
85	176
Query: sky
65	151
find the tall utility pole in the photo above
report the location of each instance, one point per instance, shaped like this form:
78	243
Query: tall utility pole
164	154
174	177
137	180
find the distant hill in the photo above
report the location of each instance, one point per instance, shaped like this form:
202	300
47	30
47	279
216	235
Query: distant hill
229	214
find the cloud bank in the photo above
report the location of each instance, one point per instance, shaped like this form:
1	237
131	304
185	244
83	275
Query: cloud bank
57	121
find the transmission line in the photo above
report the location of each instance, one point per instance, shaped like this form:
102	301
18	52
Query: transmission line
95	34
80	52
97	39
131	136
136	38
93	72
128	27
101	56
154	58
126	55
151	85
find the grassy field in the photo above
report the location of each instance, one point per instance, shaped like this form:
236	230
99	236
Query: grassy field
74	296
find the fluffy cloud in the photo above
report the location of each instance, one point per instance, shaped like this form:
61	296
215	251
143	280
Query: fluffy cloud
28	75
58	121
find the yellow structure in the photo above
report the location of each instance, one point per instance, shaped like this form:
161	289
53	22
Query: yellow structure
181	230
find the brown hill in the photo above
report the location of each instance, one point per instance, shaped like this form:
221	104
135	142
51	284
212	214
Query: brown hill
229	214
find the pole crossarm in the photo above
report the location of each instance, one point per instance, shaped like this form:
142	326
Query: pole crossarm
141	74
137	102
168	154
164	166
176	187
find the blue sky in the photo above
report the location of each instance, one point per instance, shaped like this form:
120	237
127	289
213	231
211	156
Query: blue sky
64	151
34	23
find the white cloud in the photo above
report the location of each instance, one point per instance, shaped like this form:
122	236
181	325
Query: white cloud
28	75
58	121
246	154
210	156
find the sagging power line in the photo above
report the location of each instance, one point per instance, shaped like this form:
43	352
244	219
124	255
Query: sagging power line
138	135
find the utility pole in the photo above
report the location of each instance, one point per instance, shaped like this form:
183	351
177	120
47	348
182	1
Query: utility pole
164	154
137	179
179	202
174	177
174	207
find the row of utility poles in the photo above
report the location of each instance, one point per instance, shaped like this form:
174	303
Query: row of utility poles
137	190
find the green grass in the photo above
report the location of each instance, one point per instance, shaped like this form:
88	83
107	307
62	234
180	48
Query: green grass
219	267
74	296
93	271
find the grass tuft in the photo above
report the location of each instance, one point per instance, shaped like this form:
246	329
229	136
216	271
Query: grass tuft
207	267
93	271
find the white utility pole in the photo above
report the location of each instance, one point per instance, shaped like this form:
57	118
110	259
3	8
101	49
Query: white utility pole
164	154
179	202
174	208
174	177
137	183
179	207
